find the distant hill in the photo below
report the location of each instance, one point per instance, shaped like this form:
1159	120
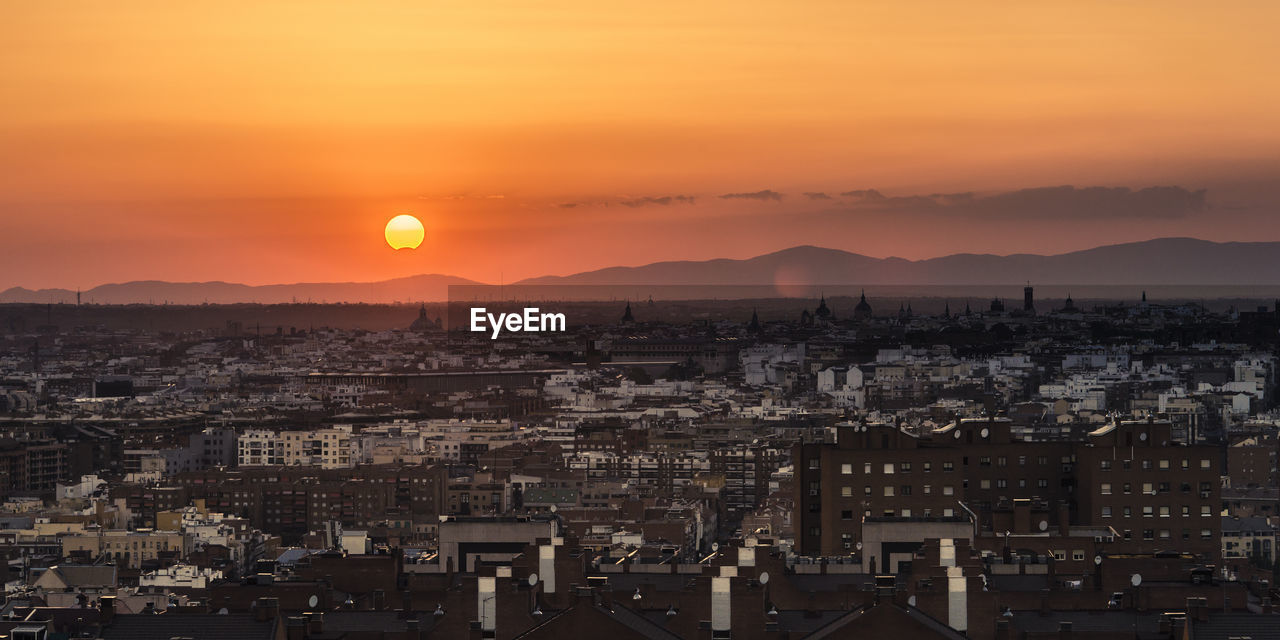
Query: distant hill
412	288
1166	261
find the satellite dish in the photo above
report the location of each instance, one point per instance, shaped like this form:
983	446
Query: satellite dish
1142	437
985	432
957	435
1097	559
764	577
1135	579
533	579
313	601
911	601
1044	524
553	508
715	546
859	546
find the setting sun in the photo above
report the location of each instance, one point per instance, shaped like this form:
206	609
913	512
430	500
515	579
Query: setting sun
404	232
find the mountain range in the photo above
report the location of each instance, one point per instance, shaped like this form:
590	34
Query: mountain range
1164	261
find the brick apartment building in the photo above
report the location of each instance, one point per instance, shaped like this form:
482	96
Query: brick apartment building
969	468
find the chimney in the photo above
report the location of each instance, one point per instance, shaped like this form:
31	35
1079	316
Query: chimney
721	611
487	605
1064	630
1064	519
406	603
315	624
266	609
107	608
295	628
379	599
1021	515
1003	632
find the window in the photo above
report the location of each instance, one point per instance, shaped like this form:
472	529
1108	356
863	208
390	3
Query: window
866	468
1022	461
984	461
846	539
1022	483
866	491
1060	555
1043	483
927	489
1002	461
948	490
1148	512
1106	512
813	491
906	513
846	469
1147	489
1128	488
1148	534
846	514
1164	512
813	463
1106	465
1186	511
985	484
1146	465
888	468
948	466
1205	512
846	492
1164	464
905	467
1204	464
1001	483
1186	464
1206	533
1077	555
1128	512
1164	534
928	466
947	513
888	491
1106	488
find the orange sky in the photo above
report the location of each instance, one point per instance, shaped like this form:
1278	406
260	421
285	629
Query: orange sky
270	142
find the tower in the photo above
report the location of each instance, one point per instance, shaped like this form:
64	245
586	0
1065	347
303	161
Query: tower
1028	299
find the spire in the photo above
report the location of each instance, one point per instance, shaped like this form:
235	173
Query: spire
626	315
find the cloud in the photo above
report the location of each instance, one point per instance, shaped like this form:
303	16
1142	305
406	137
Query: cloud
763	196
1044	202
661	200
866	194
816	195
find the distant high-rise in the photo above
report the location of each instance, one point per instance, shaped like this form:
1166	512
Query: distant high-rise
1028	299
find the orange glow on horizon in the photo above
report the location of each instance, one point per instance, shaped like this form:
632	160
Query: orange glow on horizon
183	140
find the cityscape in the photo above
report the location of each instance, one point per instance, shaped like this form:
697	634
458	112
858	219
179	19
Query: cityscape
999	469
663	320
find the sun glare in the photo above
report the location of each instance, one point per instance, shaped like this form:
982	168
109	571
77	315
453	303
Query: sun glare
404	232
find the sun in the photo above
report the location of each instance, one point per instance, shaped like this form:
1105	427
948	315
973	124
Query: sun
404	232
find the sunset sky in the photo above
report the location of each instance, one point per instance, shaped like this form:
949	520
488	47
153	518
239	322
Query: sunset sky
266	142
